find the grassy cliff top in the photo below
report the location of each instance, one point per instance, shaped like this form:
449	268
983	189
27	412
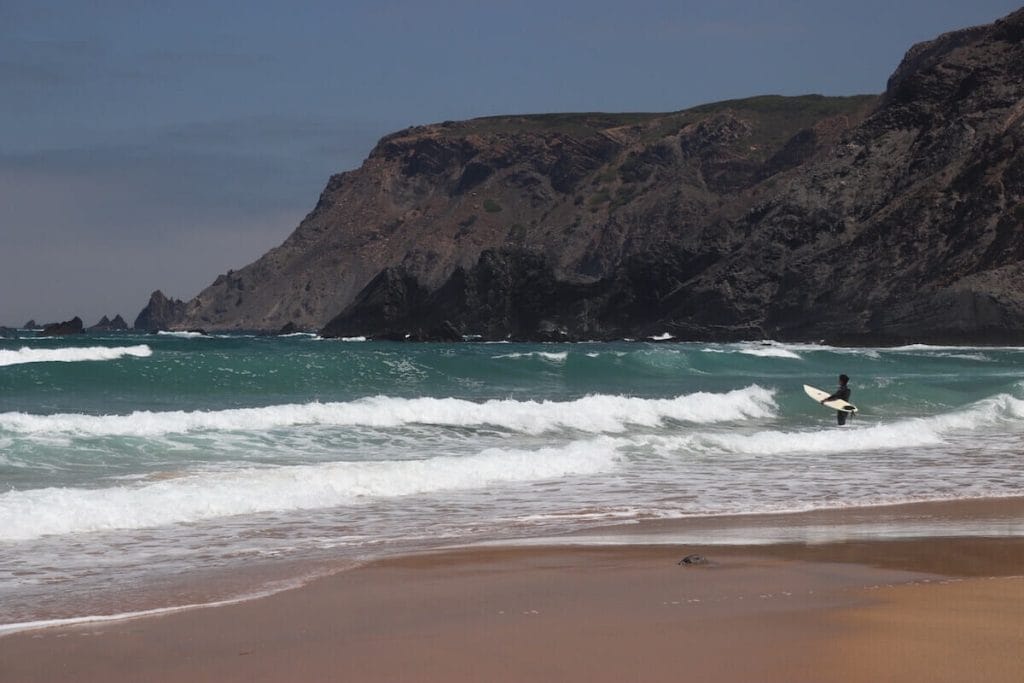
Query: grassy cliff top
765	111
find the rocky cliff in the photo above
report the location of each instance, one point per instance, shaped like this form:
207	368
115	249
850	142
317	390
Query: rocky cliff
860	219
63	329
160	313
105	324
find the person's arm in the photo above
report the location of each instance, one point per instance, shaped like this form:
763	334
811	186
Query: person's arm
833	396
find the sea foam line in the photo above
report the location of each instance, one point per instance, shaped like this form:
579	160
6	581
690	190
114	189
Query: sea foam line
29	514
72	354
267	591
594	414
16	627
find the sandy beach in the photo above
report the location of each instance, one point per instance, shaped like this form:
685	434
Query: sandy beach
925	609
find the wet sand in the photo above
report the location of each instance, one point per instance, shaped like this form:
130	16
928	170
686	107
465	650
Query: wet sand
928	609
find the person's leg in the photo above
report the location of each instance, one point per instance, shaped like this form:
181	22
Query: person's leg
841	417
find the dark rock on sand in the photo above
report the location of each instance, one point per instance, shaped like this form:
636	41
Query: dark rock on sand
693	560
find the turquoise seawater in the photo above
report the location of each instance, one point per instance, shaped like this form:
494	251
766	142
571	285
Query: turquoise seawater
133	465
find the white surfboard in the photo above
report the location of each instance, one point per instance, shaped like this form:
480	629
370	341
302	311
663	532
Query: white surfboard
836	404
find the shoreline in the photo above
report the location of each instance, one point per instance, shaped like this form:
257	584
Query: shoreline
758	533
1001	516
559	609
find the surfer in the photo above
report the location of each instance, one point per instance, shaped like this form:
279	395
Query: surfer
842	392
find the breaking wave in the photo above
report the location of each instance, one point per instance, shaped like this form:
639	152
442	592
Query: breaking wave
73	354
594	414
195	497
555	357
907	433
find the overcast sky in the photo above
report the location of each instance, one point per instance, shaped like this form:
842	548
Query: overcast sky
149	145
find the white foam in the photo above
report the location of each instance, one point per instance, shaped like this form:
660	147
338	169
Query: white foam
798	348
276	587
317	337
910	433
182	335
596	414
968	356
7	629
770	352
844	440
555	357
763	351
206	495
929	348
975	353
71	354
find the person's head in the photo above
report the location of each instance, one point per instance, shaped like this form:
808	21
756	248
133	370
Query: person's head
843	379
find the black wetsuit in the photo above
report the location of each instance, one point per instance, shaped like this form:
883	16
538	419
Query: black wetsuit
842	392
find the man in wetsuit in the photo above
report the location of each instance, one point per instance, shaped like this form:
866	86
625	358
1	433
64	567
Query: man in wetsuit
841	392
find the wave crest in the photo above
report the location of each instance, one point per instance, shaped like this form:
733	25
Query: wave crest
207	495
595	414
72	354
907	433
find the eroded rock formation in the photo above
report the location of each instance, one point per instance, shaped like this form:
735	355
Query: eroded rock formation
859	220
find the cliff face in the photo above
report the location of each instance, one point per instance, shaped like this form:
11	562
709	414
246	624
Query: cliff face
63	329
584	192
160	313
105	324
910	227
852	219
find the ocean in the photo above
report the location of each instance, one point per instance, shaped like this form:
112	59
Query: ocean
151	472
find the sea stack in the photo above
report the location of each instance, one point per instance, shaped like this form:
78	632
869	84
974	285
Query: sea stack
105	324
62	329
160	313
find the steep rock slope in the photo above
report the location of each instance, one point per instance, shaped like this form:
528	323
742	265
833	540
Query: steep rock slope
583	191
851	219
911	227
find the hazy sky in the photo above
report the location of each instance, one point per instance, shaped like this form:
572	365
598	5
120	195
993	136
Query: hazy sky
148	145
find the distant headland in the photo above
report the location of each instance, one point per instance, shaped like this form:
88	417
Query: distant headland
870	219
